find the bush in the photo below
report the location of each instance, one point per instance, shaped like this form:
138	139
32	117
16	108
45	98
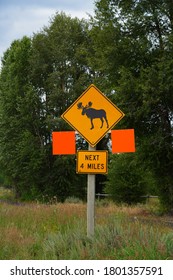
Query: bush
73	199
126	179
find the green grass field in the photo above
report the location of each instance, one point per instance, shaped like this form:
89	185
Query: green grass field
58	231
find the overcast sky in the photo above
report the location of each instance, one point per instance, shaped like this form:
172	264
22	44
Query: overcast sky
25	17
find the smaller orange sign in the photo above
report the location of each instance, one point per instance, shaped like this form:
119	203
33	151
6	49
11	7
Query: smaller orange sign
123	141
63	143
92	162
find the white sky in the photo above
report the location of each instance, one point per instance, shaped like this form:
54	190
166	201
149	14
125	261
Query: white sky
25	17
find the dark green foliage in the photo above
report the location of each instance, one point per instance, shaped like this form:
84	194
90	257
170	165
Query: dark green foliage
1	179
126	179
136	62
40	78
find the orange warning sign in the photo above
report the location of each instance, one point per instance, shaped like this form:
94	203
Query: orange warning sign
92	115
92	162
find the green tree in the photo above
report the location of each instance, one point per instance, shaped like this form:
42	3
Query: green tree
60	72
21	143
40	78
136	65
59	75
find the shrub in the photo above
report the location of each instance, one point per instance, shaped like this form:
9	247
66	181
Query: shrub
126	179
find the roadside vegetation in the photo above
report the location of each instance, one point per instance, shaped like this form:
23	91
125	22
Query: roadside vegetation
58	231
126	50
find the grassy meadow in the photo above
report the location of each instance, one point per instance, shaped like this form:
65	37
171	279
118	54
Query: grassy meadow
58	231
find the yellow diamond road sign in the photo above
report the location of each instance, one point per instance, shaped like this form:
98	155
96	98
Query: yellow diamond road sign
92	115
92	162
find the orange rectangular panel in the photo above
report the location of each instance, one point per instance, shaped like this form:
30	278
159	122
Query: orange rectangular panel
123	141
63	143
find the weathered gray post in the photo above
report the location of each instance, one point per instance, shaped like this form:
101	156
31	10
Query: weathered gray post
90	200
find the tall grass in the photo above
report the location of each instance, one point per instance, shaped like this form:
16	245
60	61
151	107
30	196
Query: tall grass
37	231
117	239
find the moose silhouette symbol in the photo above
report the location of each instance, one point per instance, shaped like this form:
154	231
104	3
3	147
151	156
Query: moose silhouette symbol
92	113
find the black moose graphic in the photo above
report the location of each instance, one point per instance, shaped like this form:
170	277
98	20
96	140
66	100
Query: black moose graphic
92	113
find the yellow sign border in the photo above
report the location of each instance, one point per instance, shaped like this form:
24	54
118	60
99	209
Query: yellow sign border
76	101
91	152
